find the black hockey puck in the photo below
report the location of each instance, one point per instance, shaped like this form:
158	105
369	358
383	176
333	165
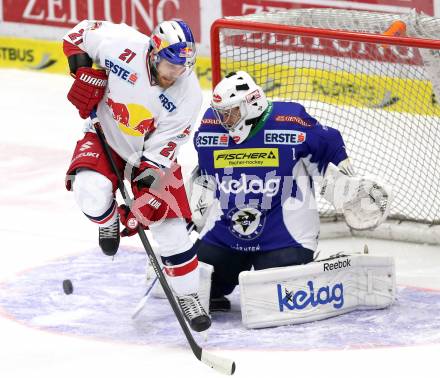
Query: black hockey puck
67	287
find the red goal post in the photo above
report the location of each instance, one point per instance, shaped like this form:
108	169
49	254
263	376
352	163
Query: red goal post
377	89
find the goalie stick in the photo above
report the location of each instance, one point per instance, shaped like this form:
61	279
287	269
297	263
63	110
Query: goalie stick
221	364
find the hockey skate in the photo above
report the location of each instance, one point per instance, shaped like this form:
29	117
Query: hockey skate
194	313
109	238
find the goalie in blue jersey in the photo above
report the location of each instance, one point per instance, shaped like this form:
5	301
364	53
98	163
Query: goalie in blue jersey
253	192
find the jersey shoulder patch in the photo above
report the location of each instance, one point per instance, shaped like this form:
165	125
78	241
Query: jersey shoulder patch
210	121
291	114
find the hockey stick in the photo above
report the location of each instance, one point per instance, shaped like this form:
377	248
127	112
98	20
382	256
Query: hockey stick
221	364
140	306
190	227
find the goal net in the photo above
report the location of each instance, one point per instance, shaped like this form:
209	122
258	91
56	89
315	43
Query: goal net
378	90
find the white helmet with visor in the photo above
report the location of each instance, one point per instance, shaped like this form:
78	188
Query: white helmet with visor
236	101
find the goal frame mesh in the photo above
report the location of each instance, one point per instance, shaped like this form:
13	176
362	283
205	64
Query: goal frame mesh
430	232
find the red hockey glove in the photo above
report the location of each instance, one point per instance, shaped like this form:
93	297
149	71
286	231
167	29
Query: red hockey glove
129	221
87	89
145	177
147	206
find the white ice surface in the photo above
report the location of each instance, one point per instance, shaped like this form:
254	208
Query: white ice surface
40	223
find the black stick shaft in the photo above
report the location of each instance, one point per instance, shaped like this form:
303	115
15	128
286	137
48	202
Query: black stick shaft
197	350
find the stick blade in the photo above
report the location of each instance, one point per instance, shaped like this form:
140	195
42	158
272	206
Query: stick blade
139	307
221	364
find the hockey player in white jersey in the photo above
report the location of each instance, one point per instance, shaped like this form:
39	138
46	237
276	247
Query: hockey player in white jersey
253	196
147	98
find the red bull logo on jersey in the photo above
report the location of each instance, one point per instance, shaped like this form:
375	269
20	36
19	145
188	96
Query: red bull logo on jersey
133	119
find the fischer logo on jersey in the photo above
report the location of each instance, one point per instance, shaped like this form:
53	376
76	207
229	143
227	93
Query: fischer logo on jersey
122	72
268	187
166	103
247	157
284	137
212	140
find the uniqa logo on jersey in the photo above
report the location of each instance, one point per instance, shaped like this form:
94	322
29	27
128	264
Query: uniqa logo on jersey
302	299
269	187
246	223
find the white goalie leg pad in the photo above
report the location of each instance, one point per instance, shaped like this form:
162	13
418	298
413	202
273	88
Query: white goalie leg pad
205	271
201	197
204	290
316	291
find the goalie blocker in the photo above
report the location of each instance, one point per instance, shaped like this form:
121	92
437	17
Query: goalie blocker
316	291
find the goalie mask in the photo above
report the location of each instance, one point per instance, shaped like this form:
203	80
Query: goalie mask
237	101
172	52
